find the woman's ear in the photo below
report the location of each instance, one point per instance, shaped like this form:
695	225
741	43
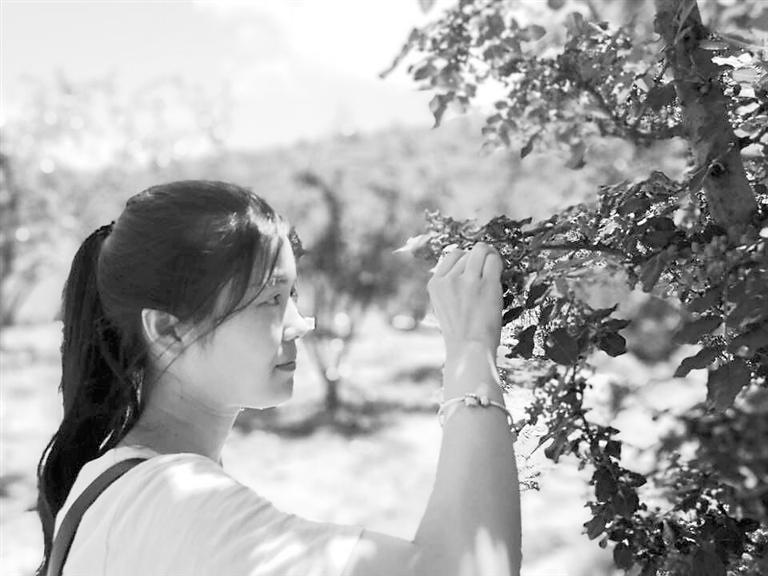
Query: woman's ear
162	331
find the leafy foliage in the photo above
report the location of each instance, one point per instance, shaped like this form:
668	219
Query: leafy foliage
659	232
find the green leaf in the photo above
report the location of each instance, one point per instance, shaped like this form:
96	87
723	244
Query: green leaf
437	106
612	344
661	223
512	314
532	32
660	96
615	324
613	448
622	556
652	270
704	358
512	44
751	309
424	72
503	133
496	25
535	294
601	313
706	300
693	331
605	485
706	563
625	502
524	346
753	340
748	524
634	205
635	479
561	347
528	146
589	71
726	382
595	527
658	239
575	23
558	446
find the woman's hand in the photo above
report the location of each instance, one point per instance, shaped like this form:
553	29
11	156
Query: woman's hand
466	295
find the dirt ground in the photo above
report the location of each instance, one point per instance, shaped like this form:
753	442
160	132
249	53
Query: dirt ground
374	467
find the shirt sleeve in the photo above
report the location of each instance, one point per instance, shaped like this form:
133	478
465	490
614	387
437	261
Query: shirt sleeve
255	538
183	514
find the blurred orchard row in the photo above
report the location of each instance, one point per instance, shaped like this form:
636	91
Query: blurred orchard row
76	151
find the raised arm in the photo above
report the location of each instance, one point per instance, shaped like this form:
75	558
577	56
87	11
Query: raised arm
471	526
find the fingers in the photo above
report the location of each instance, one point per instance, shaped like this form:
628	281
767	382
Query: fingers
447	263
472	263
458	268
477	257
493	266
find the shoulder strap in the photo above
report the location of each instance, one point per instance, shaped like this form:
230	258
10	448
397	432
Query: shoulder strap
66	533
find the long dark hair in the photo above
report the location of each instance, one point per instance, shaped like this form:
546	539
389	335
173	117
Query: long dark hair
174	248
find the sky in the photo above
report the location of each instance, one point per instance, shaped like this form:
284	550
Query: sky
295	69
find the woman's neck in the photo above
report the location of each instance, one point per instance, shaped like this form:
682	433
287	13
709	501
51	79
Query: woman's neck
174	421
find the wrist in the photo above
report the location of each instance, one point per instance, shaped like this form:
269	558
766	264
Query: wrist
455	351
471	368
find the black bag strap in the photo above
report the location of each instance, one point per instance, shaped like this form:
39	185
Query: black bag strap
68	527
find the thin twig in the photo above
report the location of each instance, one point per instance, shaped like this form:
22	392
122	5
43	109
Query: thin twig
590	248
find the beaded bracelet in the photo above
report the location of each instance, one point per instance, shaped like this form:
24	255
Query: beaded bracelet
448	407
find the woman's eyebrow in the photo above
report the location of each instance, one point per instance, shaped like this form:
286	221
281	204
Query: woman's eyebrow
279	278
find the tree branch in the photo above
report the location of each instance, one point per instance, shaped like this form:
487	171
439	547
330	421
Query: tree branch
575	246
624	128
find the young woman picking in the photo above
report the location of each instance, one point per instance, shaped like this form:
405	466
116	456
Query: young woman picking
183	312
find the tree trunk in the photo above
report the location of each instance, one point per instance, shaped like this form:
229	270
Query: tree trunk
705	115
331	395
327	363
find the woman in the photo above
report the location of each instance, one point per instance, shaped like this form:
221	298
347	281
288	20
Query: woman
183	312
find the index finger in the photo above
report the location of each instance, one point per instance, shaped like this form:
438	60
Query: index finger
477	258
493	266
447	262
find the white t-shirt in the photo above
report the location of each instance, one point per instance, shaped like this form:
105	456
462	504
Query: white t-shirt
183	515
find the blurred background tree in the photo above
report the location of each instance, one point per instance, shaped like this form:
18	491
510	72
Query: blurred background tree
75	151
351	267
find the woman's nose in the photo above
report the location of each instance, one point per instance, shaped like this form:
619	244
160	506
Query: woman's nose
296	325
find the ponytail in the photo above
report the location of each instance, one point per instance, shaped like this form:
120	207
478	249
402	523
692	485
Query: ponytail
100	387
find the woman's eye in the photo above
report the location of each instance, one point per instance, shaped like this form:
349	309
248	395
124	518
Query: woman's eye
277	298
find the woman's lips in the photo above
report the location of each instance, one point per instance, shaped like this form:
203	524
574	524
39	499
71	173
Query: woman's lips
287	366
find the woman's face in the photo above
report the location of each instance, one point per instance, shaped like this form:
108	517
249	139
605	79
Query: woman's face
243	363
